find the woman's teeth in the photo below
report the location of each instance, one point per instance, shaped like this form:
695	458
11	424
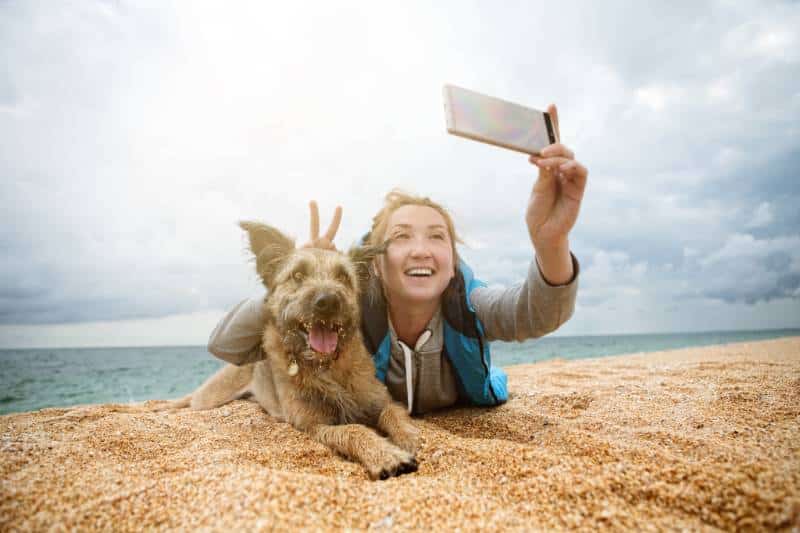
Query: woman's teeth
419	272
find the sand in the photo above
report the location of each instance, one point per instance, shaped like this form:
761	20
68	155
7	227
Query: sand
699	439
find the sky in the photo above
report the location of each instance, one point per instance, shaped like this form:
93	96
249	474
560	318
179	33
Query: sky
135	135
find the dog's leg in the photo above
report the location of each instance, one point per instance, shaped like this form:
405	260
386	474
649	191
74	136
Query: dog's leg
395	422
384	413
357	442
172	405
228	384
264	391
379	457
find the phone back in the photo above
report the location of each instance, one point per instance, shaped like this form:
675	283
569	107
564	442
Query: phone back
495	121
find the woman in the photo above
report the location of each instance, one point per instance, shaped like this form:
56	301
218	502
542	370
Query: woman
427	320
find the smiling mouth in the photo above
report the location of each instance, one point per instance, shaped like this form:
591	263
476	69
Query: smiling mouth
419	272
322	336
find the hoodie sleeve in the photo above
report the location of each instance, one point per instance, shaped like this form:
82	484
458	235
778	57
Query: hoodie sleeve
237	337
527	310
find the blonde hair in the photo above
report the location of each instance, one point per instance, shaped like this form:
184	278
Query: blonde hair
397	199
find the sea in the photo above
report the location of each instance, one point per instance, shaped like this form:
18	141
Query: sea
34	378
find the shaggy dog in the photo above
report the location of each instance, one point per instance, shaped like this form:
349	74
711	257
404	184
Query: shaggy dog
317	374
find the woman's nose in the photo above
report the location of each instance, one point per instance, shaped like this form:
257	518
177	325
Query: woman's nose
419	248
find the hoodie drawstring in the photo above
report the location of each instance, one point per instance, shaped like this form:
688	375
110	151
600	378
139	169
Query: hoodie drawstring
409	363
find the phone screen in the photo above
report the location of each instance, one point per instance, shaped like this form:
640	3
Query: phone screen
495	121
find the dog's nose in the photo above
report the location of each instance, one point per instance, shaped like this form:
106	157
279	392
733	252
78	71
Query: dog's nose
326	303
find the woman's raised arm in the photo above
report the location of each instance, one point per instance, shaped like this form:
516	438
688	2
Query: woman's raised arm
554	205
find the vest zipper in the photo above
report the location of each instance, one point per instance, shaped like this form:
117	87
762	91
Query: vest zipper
485	364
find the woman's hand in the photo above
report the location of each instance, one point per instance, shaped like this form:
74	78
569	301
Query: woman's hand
326	241
554	205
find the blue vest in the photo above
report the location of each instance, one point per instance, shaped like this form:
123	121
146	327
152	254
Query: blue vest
464	341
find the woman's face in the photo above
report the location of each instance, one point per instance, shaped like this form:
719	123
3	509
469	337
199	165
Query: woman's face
418	264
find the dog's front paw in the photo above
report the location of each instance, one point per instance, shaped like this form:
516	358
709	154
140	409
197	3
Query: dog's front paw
392	462
408	439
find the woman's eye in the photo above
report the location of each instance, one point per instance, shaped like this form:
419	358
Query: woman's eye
439	236
401	236
298	276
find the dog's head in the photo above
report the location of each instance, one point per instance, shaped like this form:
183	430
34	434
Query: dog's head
313	294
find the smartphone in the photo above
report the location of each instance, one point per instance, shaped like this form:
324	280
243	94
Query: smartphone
494	121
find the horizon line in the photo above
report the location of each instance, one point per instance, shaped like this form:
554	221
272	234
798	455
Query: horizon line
692	332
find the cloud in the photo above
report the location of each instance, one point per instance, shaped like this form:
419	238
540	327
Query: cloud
766	36
133	137
609	274
658	97
746	269
762	217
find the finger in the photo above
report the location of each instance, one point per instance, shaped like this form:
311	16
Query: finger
574	172
312	205
553	112
534	160
573	168
557	149
573	181
551	162
334	227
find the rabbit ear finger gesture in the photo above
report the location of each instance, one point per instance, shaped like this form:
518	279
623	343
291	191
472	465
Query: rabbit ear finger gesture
326	241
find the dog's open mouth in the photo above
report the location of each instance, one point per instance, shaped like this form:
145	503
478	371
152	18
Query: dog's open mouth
322	337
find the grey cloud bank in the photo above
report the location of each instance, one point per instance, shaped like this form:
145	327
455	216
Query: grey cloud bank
133	137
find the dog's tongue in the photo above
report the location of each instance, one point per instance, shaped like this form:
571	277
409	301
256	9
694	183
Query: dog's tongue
322	339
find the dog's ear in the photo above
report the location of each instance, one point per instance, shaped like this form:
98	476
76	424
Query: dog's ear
362	257
269	246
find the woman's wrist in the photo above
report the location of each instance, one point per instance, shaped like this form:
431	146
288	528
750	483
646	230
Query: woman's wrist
555	263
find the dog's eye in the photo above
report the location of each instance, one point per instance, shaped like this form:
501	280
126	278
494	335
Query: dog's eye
340	274
298	276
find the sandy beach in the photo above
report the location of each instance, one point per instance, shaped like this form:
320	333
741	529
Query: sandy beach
700	439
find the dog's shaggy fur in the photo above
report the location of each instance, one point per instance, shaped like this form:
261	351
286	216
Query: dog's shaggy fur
317	374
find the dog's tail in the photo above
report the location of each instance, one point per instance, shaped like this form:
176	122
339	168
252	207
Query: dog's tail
171	405
79	412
